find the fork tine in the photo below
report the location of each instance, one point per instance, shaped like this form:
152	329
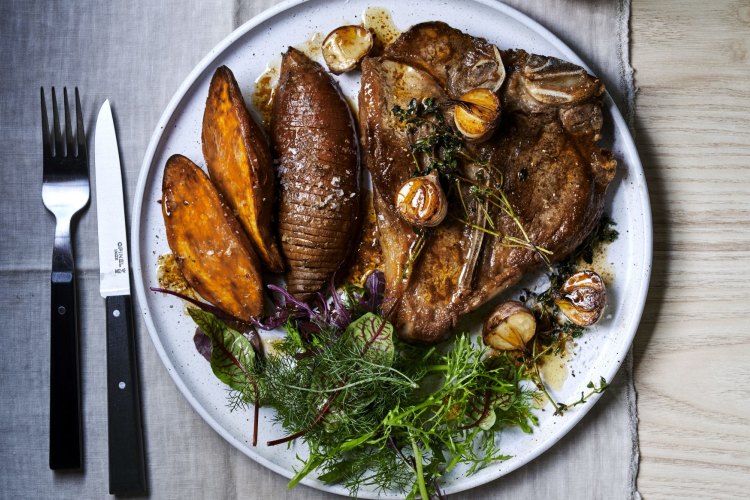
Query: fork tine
45	127
71	145
56	126
80	134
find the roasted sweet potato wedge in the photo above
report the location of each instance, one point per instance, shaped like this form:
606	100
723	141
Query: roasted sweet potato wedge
240	165
211	250
315	140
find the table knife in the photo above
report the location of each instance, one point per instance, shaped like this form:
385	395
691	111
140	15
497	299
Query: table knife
127	468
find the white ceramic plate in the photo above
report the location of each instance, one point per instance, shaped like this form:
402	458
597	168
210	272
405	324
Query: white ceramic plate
248	51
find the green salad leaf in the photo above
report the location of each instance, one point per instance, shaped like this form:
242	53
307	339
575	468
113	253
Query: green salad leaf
232	354
373	337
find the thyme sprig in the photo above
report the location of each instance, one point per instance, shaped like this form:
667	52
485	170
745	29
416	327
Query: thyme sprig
532	364
554	330
433	138
602	234
415	250
442	149
595	389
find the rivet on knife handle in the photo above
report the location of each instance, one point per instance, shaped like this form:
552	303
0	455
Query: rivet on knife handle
127	468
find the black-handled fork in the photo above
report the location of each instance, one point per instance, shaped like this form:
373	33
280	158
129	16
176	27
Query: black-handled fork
65	191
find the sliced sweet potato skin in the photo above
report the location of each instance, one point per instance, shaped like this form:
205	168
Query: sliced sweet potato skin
210	248
240	165
315	139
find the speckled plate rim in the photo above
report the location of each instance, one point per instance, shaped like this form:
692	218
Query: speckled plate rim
635	171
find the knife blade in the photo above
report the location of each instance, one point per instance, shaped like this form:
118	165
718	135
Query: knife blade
127	467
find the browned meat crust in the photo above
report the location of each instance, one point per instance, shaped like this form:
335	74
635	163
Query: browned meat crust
544	155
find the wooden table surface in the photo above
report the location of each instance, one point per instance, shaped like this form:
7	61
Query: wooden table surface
692	351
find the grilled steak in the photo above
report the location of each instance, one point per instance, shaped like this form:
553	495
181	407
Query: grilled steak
314	137
543	156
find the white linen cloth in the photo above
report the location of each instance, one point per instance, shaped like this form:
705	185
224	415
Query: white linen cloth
136	54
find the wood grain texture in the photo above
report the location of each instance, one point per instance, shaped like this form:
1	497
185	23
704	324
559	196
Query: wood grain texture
692	352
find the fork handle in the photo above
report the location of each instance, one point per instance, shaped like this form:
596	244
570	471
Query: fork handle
65	437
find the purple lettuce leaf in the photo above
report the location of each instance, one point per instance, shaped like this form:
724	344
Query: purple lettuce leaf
339	315
319	313
202	343
375	287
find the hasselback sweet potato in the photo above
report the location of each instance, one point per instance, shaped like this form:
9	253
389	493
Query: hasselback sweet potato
239	163
315	140
210	248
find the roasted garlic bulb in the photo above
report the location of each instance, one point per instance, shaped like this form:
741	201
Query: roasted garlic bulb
345	47
582	298
510	327
476	114
421	201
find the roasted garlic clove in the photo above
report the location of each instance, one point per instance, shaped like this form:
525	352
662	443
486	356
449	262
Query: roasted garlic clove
582	298
477	113
345	47
421	201
510	326
482	67
491	70
552	81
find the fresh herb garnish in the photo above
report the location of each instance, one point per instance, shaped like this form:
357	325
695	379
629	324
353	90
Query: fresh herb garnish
232	361
603	233
455	423
595	389
433	138
373	411
415	250
390	426
436	146
554	330
376	412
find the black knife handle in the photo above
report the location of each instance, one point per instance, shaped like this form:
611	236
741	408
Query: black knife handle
127	467
65	437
